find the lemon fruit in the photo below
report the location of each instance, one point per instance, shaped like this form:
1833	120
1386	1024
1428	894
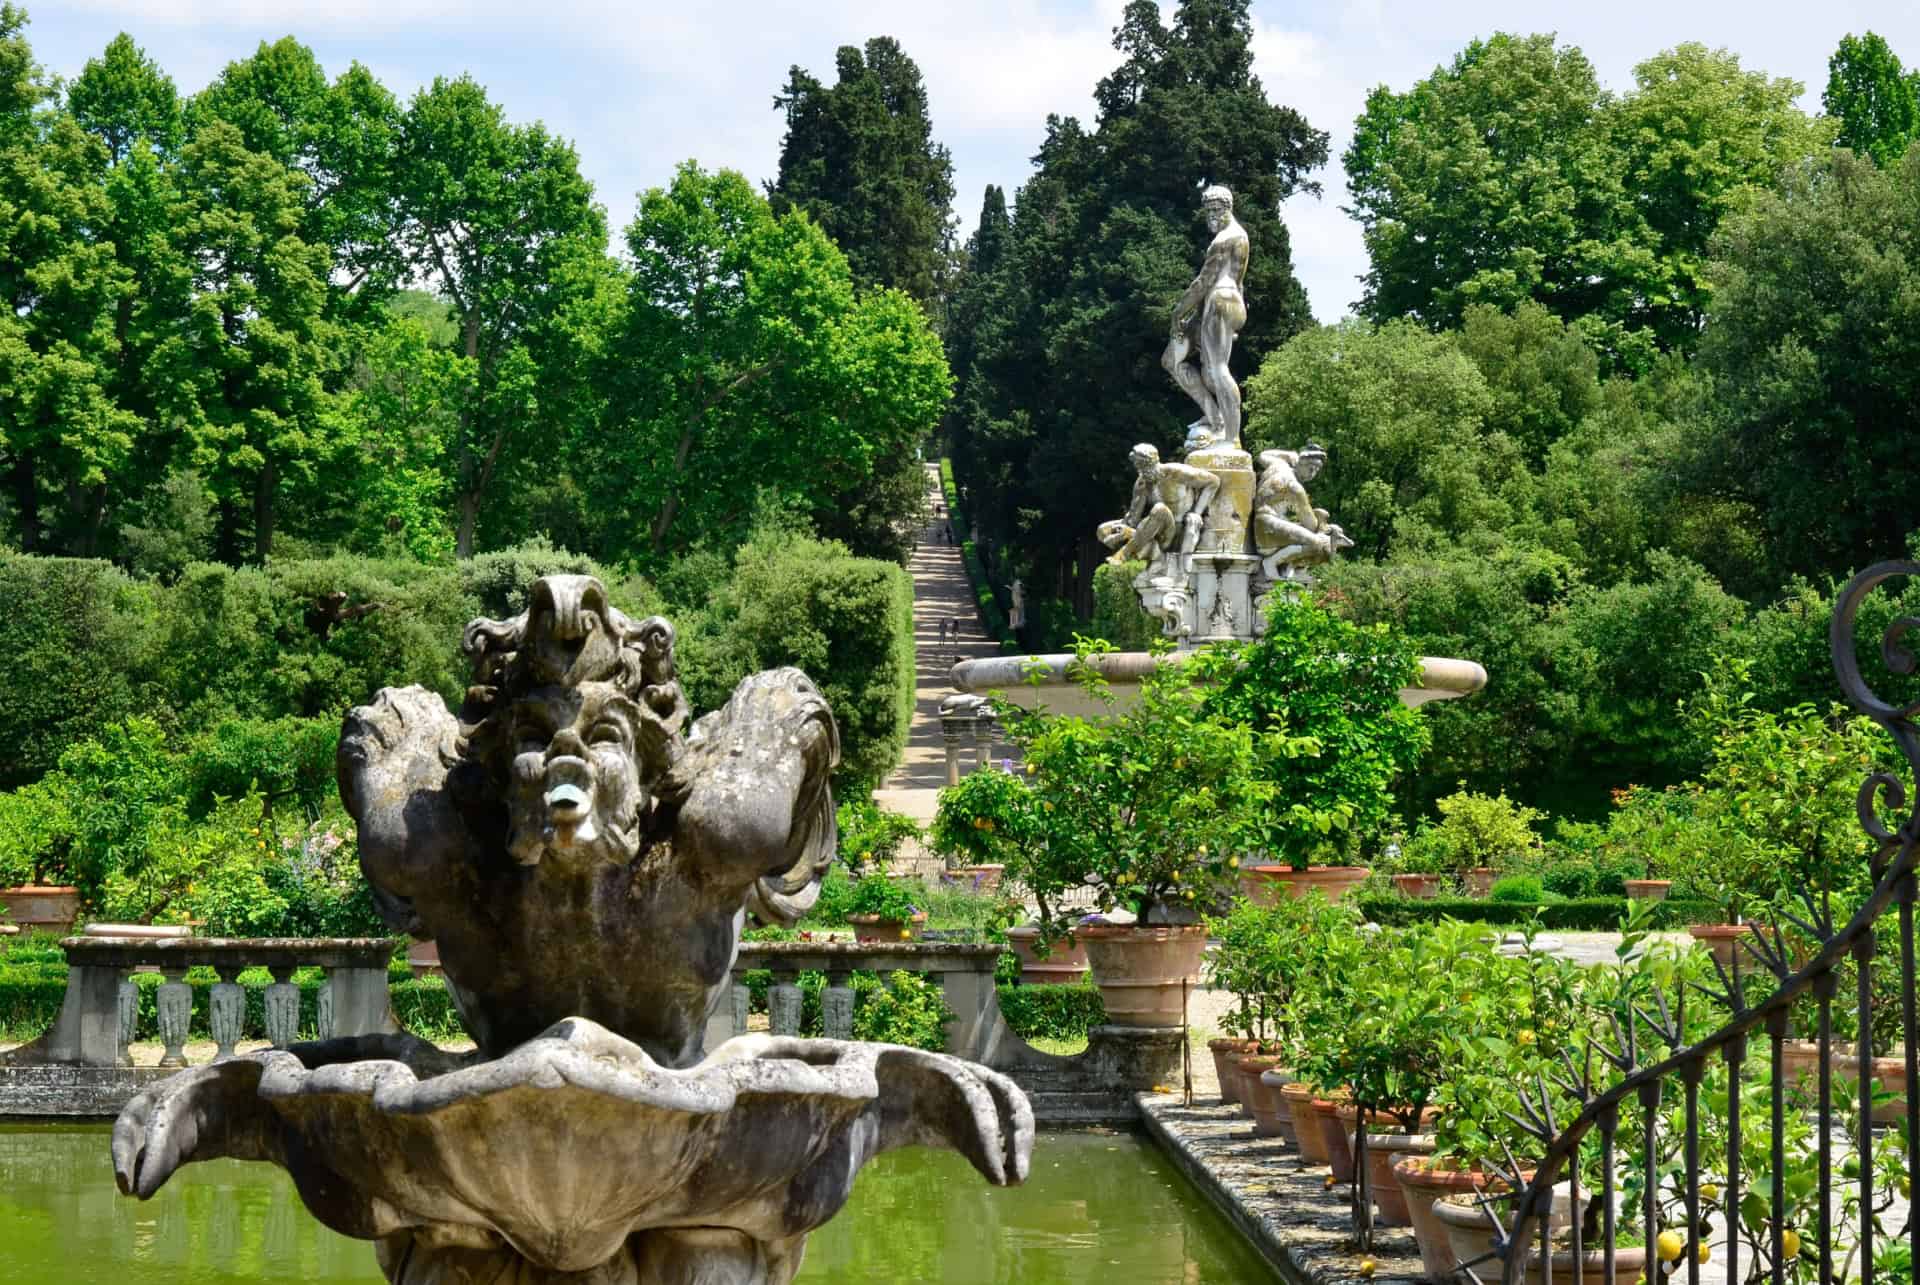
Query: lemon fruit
1789	1243
1670	1246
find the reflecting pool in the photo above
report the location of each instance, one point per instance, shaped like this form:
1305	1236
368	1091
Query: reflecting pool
1099	1209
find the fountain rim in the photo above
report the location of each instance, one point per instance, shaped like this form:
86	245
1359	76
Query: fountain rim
1441	677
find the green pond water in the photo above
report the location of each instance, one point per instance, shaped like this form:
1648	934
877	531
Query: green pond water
1103	1208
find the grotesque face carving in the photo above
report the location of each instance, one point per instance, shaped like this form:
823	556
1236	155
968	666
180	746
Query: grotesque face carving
576	788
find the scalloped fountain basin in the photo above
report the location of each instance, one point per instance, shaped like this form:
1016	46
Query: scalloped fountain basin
1011	677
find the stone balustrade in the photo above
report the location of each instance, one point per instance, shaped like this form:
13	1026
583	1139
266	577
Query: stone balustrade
96	1021
967	720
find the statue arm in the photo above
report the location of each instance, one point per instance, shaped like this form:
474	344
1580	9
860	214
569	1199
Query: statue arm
392	763
1142	502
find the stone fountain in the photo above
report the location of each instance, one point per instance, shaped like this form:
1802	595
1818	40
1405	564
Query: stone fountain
585	857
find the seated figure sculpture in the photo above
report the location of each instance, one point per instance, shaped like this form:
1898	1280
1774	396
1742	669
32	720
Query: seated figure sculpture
586	870
1167	514
1289	533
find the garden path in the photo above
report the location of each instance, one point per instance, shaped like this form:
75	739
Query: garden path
946	629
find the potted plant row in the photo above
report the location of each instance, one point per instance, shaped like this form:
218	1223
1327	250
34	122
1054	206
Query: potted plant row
881	909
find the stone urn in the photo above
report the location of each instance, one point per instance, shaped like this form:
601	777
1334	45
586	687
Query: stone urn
1227	1051
1648	889
1478	882
1470	1235
1419	887
48	907
1144	972
877	928
1306	1122
1264	885
1722	939
1065	963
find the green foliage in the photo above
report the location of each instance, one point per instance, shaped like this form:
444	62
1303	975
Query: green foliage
883	898
1586	914
870	835
860	160
1052	1012
1322	695
1475	831
910	1009
1874	98
1526	889
1267	956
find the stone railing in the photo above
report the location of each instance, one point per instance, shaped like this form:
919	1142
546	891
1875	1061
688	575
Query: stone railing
96	1021
1095	1086
964	721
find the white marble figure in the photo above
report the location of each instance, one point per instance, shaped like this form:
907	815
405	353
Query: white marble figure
1289	533
1207	318
1168	512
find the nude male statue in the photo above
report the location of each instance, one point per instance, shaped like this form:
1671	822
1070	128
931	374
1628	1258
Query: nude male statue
1169	507
1206	320
1288	532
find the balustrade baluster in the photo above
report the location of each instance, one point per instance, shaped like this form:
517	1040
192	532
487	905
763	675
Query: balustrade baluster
127	1002
783	1004
174	1005
323	1010
226	1013
742	1005
282	1004
836	1006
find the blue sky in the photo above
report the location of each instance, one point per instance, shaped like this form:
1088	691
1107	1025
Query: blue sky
639	87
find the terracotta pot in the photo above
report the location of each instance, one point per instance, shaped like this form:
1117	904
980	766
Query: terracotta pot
872	928
1306	1125
48	907
1144	973
1421	1184
1263	885
1065	964
1339	1141
1722	939
1800	1061
1383	1150
1226	1052
1419	887
423	957
1471	1236
1246	1069
979	878
1648	889
1261	1098
1278	1081
1478	881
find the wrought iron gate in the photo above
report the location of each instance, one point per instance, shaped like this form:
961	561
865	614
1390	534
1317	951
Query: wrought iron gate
1649	1059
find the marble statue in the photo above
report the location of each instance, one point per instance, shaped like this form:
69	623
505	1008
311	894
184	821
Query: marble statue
1167	512
1210	313
1289	533
585	859
1017	610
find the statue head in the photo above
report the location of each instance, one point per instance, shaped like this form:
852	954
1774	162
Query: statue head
565	721
1313	458
1216	202
1337	539
1145	457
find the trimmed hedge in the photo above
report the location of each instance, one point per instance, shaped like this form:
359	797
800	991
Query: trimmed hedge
1052	1012
1587	914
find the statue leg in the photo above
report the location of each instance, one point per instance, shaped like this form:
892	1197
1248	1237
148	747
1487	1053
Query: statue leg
1222	393
1187	374
1155	530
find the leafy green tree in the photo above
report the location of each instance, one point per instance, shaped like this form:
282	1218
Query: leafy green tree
1814	350
1875	100
1700	135
122	97
496	218
1069	325
860	159
1488	182
1402	414
248	360
746	363
1542	376
60	427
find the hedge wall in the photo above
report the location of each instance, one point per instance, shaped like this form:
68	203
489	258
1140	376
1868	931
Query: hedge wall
992	618
1587	914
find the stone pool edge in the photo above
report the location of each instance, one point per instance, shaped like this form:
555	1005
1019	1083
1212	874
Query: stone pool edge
1295	1223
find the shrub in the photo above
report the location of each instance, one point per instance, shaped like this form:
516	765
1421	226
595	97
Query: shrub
1591	914
1474	831
883	898
910	1009
1052	1012
1525	888
872	836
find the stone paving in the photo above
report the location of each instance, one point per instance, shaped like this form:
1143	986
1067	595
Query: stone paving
1283	1205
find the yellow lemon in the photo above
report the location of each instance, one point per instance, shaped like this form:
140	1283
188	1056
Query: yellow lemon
905	935
1709	1191
1234	862
1706	1251
1670	1246
1332	1182
1029	769
1366	1268
1523	1038
1790	1243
